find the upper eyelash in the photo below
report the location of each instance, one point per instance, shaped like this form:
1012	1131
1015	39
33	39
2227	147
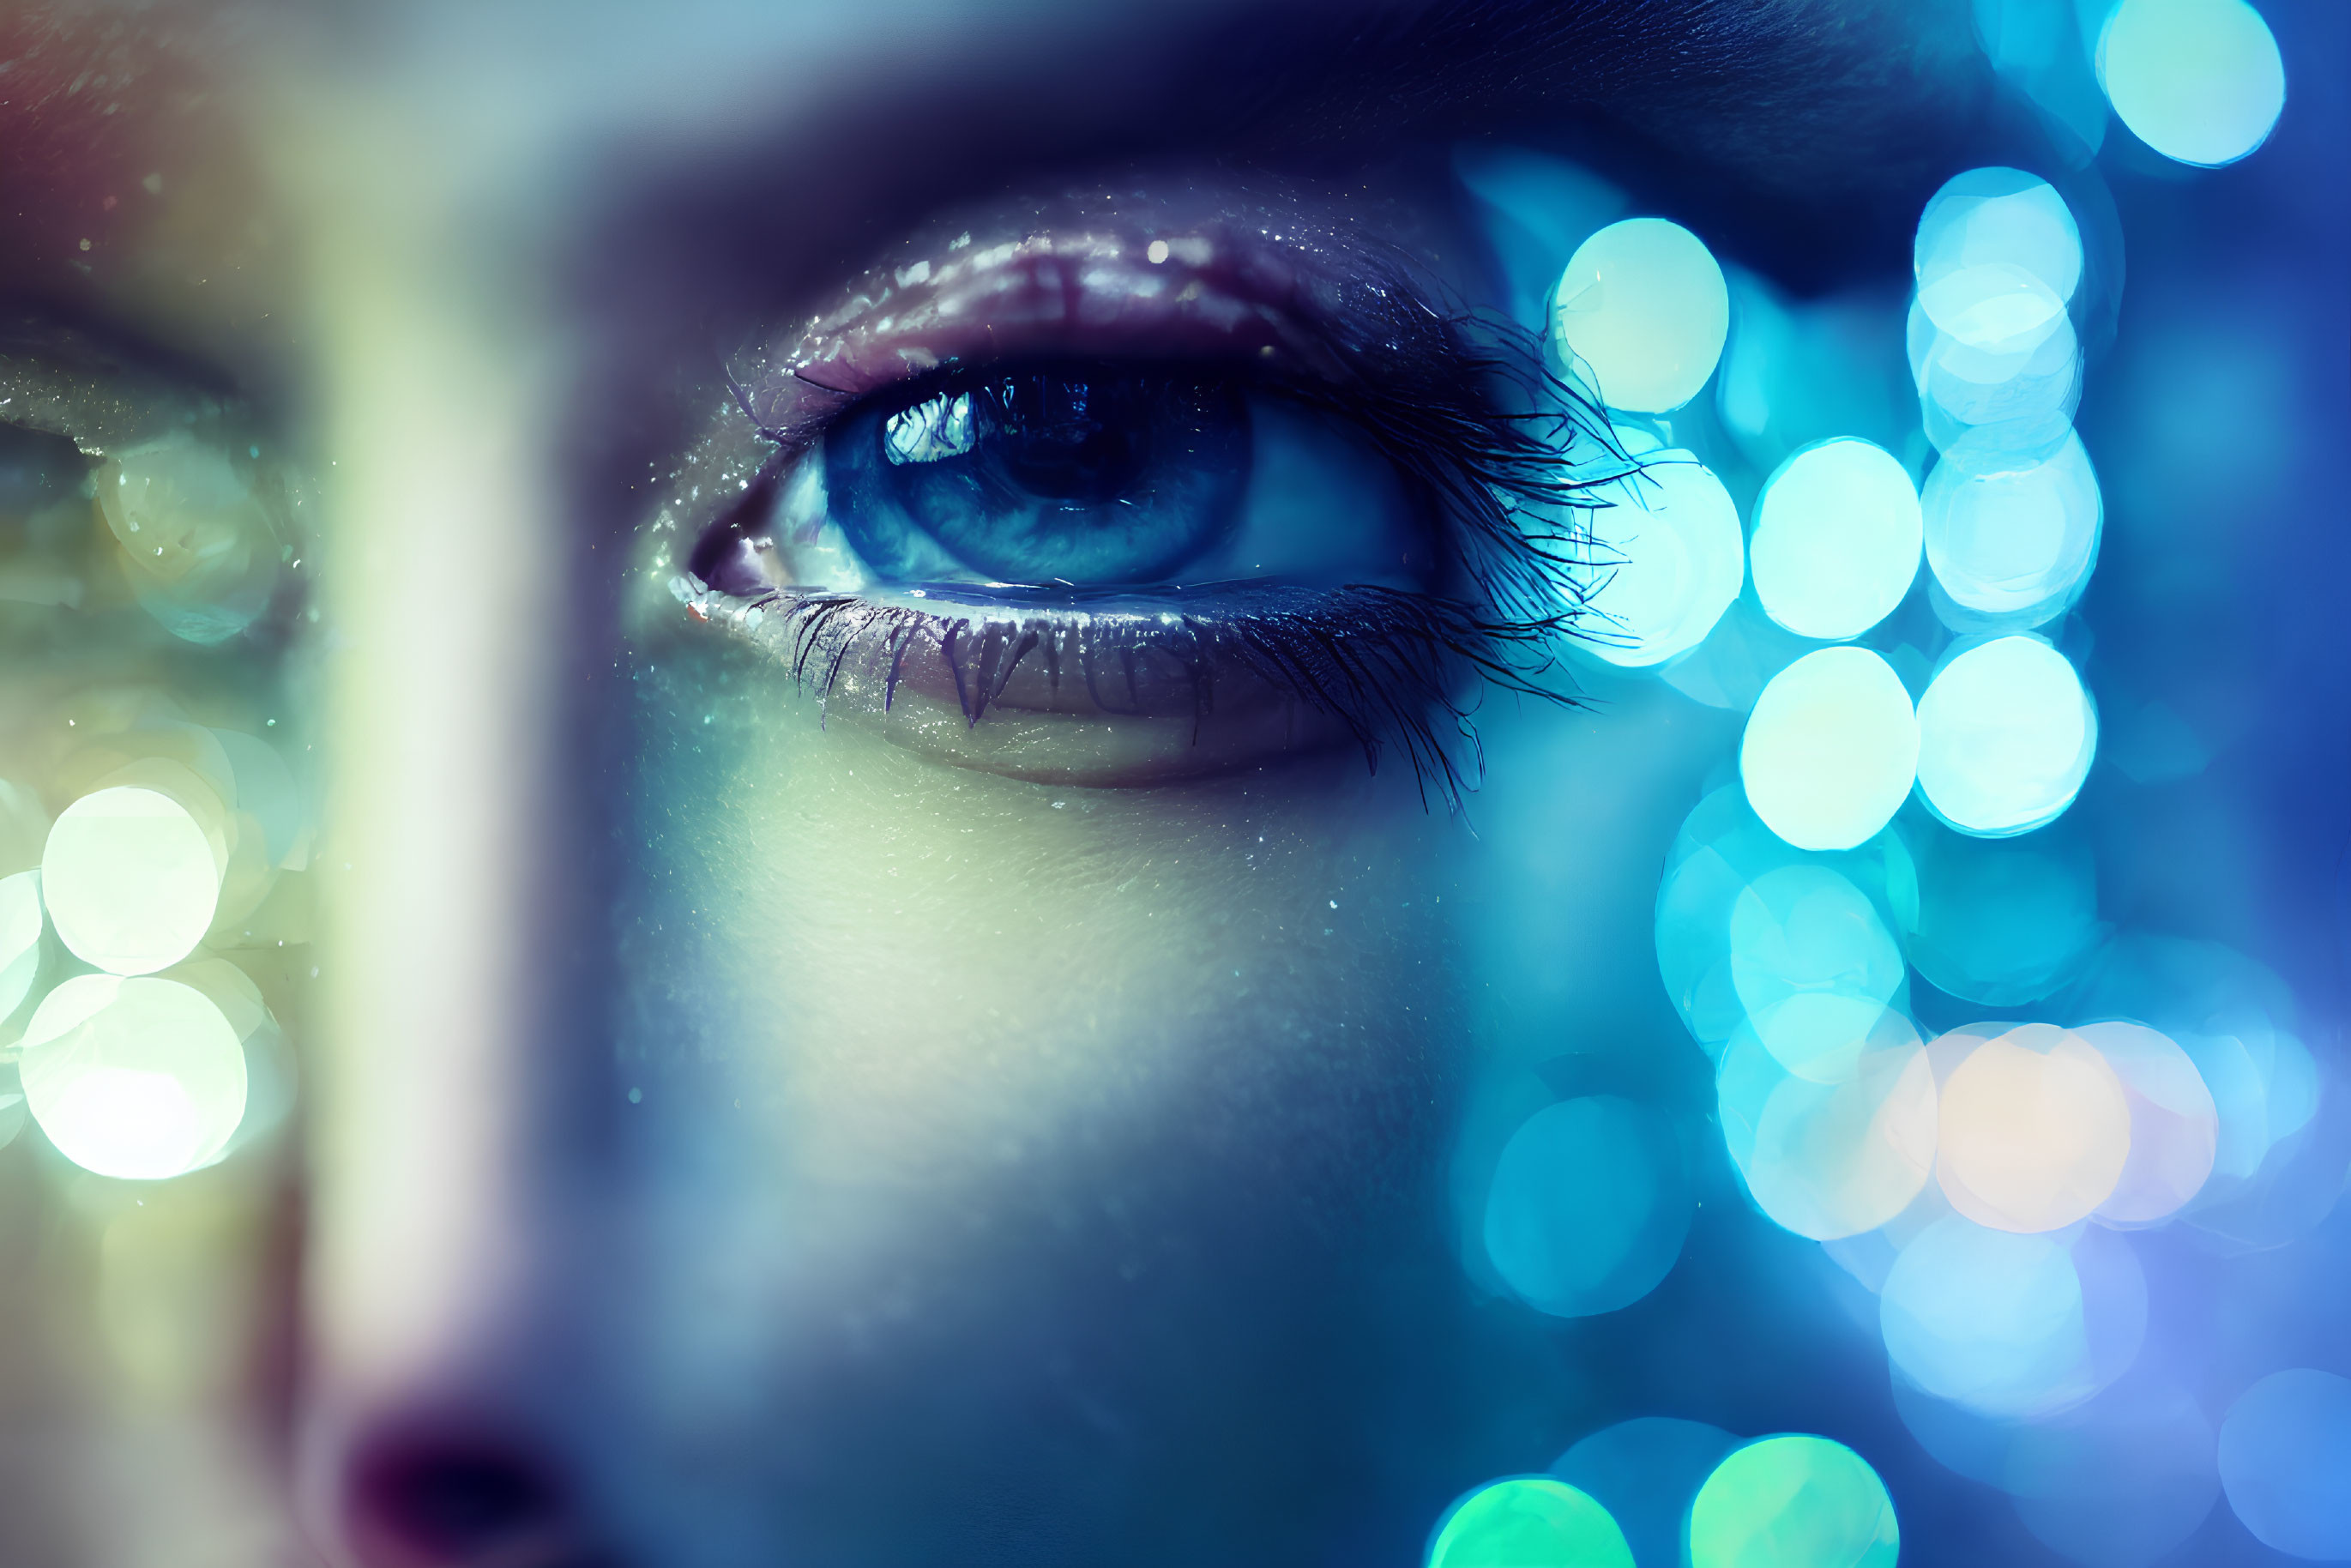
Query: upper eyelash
1431	388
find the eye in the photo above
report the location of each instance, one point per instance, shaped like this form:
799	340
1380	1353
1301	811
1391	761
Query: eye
1098	477
1316	523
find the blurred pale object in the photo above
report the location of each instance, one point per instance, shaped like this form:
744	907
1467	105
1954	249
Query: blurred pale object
2007	406
2009	1324
2198	80
266	790
138	1078
2006	733
1814	966
1998	217
1838	536
1998	307
1644	305
2034	1133
2010	536
1831	749
1530	1519
20	937
1793	1501
1588	1206
1829	1160
1672	559
269	1069
199	545
130	879
2174	1126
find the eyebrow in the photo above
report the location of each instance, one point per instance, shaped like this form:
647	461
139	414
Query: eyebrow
1790	119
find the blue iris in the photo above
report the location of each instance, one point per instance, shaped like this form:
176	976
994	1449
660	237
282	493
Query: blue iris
1076	474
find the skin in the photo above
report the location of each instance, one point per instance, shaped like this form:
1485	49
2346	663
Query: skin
739	1140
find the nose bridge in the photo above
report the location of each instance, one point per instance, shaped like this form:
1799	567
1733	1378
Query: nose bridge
441	712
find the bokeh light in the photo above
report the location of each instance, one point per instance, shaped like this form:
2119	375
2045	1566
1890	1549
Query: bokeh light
2009	1324
1831	749
1673	560
1830	1160
265	791
130	879
2006	733
2264	1089
1793	1501
1644	306
1998	217
1527	1522
198	544
1814	966
140	1079
1837	537
1645	1471
20	937
2012	540
2201	81
1588	1207
2033	1130
2011	404
2285	1462
1722	848
2174	1126
2002	921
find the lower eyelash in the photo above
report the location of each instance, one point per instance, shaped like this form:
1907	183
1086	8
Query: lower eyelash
1392	667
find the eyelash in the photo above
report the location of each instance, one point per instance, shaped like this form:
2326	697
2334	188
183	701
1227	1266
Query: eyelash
1505	483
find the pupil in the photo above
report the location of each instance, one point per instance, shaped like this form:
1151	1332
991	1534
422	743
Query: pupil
1071	438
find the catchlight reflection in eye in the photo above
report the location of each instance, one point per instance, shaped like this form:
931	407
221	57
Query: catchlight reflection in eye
130	879
1791	1500
1588	1207
2008	538
1644	307
1838	536
1527	1522
140	1079
2285	1448
2201	81
2006	733
1831	748
1672	559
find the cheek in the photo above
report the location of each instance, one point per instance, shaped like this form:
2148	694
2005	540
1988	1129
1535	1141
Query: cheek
912	975
941	1071
857	972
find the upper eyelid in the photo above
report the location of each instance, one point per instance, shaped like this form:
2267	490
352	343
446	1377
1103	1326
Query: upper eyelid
107	390
1291	303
